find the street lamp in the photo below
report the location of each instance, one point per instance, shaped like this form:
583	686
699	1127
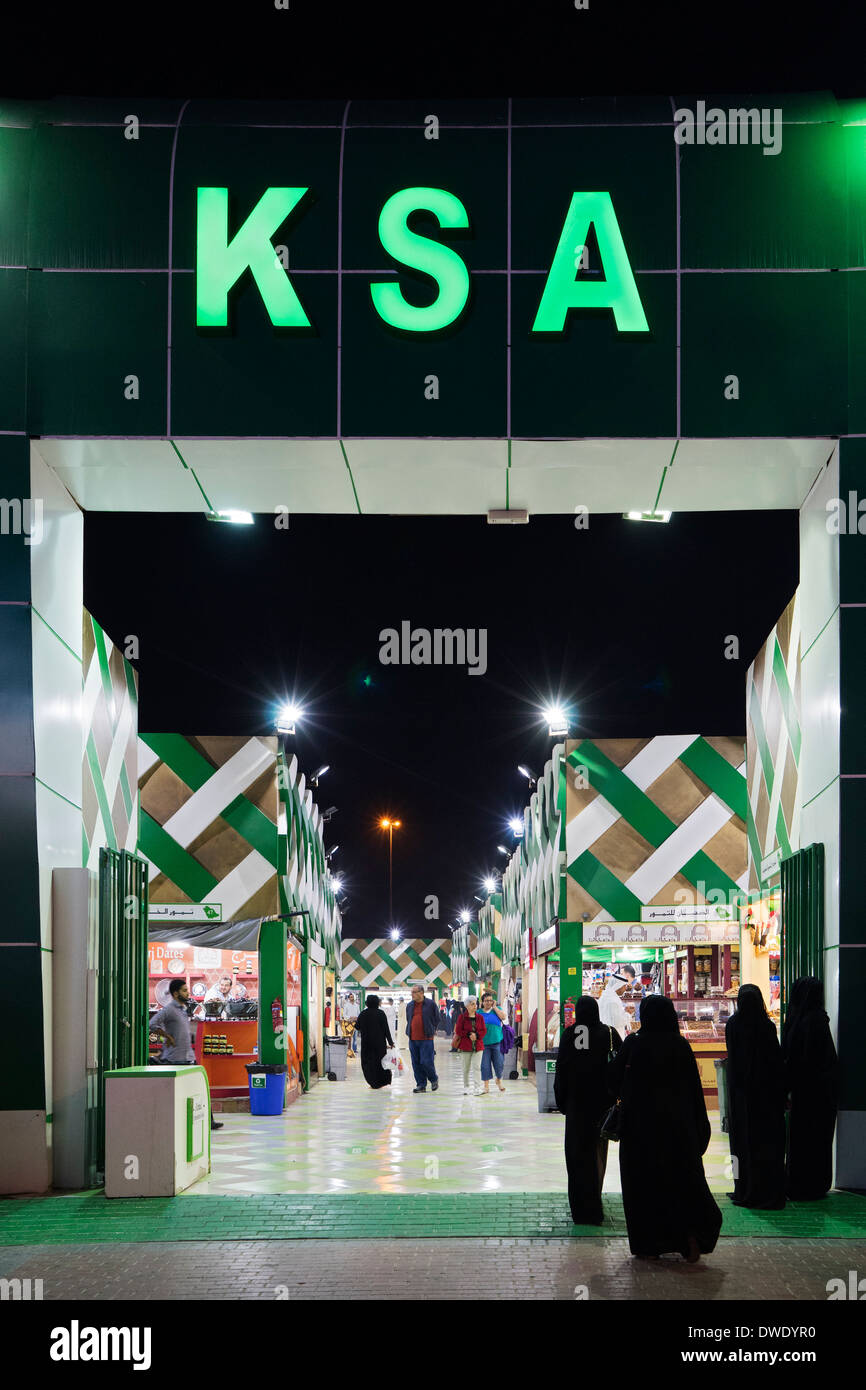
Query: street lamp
557	721
490	885
390	825
320	772
516	826
287	717
464	917
524	771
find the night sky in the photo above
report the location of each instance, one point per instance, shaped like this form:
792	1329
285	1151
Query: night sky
626	622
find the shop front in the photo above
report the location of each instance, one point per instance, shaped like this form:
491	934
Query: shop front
688	955
224	994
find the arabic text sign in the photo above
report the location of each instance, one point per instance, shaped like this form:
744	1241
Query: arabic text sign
689	912
185	912
660	934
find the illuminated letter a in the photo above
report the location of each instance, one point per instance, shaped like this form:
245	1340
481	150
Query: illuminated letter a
618	291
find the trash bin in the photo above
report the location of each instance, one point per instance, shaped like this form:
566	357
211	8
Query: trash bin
161	1116
267	1087
509	1064
336	1053
545	1070
721	1066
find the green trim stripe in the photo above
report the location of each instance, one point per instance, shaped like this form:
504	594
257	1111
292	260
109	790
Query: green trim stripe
180	756
99	788
634	806
173	861
605	887
255	827
725	781
125	791
102	654
786	695
781	835
761	738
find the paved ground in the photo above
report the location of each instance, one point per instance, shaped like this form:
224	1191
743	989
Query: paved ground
387	1195
592	1268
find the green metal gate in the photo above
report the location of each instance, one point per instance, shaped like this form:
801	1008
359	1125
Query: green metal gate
121	1004
802	917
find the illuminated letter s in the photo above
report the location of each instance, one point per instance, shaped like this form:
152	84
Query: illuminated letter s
418	252
220	262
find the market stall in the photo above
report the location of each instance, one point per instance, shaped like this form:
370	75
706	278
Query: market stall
224	993
690	954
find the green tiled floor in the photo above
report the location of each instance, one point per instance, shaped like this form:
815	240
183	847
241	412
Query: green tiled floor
88	1218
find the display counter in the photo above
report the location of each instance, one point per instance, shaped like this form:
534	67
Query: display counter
702	1024
224	1046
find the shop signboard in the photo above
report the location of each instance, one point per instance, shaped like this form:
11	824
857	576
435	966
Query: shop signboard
184	912
548	940
771	865
689	912
660	934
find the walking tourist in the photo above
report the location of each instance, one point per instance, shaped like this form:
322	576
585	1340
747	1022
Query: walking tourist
391	1014
811	1073
372	1028
492	1059
469	1040
581	1093
664	1132
756	1104
422	1020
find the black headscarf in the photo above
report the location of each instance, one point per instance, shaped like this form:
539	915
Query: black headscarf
586	1012
372	1001
807	997
658	1015
750	1035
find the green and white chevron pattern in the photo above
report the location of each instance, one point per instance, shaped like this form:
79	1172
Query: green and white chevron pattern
773	742
658	820
533	882
110	733
488	951
203	828
305	879
381	962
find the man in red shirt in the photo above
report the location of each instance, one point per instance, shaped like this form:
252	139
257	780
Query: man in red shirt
422	1019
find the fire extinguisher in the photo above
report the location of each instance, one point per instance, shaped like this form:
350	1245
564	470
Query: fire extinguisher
277	1016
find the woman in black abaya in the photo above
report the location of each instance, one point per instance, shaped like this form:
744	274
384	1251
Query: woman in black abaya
580	1089
664	1133
372	1026
756	1091
811	1071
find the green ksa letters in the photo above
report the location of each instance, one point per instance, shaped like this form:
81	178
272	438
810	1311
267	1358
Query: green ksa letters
221	261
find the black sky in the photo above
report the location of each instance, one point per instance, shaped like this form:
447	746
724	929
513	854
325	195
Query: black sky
625	621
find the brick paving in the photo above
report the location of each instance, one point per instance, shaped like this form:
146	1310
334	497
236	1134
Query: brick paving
91	1217
596	1268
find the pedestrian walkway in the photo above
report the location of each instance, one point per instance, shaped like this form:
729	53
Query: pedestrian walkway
344	1137
506	1269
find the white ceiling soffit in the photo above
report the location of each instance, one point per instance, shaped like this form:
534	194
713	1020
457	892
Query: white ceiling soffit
435	477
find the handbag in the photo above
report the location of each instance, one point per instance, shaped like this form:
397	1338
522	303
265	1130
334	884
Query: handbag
611	1125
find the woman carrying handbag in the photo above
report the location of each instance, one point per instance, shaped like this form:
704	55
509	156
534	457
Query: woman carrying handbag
581	1091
